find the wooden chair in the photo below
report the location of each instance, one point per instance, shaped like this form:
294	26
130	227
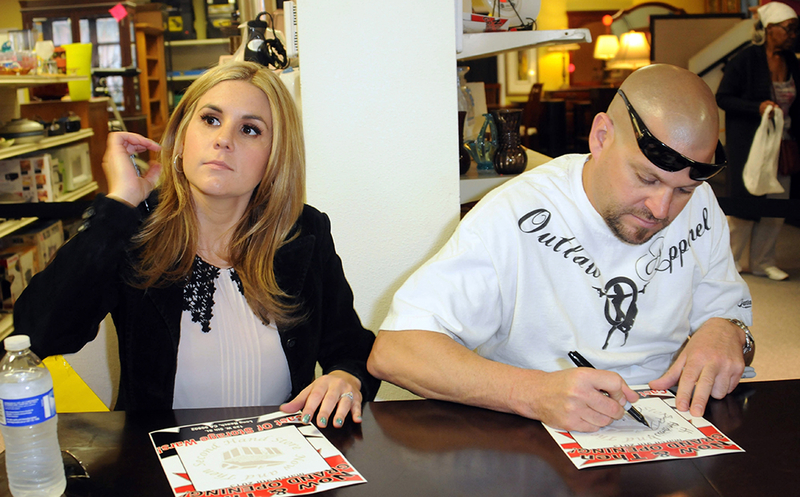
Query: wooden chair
531	114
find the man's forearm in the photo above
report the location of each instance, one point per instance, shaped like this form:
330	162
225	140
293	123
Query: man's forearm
434	366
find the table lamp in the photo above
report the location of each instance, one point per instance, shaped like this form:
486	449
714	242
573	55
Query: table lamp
606	46
633	53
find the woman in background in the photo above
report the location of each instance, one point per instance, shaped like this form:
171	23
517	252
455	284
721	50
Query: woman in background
230	291
765	73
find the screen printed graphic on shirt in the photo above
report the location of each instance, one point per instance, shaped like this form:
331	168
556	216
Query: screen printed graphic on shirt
621	293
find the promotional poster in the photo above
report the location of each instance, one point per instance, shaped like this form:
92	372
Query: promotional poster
671	435
272	454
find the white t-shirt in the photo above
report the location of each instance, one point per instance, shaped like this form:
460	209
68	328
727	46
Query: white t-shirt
228	358
533	272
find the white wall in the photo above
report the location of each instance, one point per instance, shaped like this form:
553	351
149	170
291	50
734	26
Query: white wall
380	114
379	96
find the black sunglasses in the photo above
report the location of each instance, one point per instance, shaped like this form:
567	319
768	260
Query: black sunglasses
668	159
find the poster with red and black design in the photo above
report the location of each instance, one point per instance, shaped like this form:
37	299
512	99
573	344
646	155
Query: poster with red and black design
672	435
272	454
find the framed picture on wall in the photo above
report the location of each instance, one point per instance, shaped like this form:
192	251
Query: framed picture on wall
522	70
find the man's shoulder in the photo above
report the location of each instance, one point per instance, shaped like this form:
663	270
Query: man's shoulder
554	172
548	184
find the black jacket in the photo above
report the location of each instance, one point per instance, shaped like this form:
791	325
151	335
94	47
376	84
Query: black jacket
745	84
63	305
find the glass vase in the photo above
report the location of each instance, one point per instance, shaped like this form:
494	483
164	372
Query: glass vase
510	157
466	103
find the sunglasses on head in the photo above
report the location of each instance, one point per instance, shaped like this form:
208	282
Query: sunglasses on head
665	157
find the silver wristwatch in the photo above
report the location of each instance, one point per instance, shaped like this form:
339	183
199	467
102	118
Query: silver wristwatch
749	343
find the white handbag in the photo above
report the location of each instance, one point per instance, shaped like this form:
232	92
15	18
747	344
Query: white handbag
760	172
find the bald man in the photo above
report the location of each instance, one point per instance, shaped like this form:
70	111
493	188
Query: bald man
621	255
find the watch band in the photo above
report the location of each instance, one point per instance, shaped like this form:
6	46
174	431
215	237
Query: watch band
749	342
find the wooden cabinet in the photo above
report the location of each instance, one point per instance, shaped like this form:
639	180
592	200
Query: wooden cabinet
14	216
152	78
40	12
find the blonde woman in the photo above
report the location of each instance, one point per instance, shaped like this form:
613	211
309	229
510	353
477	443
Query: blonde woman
229	291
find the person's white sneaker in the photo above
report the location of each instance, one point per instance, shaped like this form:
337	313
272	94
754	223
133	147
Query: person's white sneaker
773	273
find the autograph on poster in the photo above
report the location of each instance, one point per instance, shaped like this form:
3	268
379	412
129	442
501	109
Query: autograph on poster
672	435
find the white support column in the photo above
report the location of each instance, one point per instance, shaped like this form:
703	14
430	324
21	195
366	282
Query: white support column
380	119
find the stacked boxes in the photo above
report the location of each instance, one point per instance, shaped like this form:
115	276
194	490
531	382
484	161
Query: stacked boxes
33	178
46	236
12	187
45	176
18	267
23	254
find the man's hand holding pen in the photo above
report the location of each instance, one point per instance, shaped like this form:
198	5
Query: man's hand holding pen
581	399
581	362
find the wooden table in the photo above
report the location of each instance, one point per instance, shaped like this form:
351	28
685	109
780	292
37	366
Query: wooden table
421	448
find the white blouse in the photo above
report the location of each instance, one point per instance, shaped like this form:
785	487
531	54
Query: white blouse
227	357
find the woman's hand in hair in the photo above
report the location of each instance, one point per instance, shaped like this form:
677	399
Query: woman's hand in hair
124	183
332	397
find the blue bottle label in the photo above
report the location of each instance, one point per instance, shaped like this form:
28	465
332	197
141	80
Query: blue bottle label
28	411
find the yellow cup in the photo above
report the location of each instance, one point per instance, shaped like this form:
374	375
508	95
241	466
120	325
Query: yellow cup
79	63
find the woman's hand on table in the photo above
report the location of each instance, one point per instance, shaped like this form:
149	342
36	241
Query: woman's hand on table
332	397
124	184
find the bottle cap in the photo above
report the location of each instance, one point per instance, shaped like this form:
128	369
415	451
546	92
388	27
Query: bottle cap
17	342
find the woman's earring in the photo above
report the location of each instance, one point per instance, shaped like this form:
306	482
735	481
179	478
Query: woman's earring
175	163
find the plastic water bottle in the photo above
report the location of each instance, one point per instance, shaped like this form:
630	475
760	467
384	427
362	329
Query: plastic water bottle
28	422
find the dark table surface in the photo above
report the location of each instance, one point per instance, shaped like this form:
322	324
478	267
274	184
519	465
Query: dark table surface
424	447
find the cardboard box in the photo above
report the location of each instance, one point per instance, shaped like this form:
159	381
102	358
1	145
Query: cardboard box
27	260
10	279
46	236
48	178
17	267
41	172
14	186
34	178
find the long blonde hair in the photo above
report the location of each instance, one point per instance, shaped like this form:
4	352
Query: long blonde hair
169	238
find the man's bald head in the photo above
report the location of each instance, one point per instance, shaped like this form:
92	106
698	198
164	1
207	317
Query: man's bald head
675	104
636	197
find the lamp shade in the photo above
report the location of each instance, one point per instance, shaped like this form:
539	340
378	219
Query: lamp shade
606	47
633	53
